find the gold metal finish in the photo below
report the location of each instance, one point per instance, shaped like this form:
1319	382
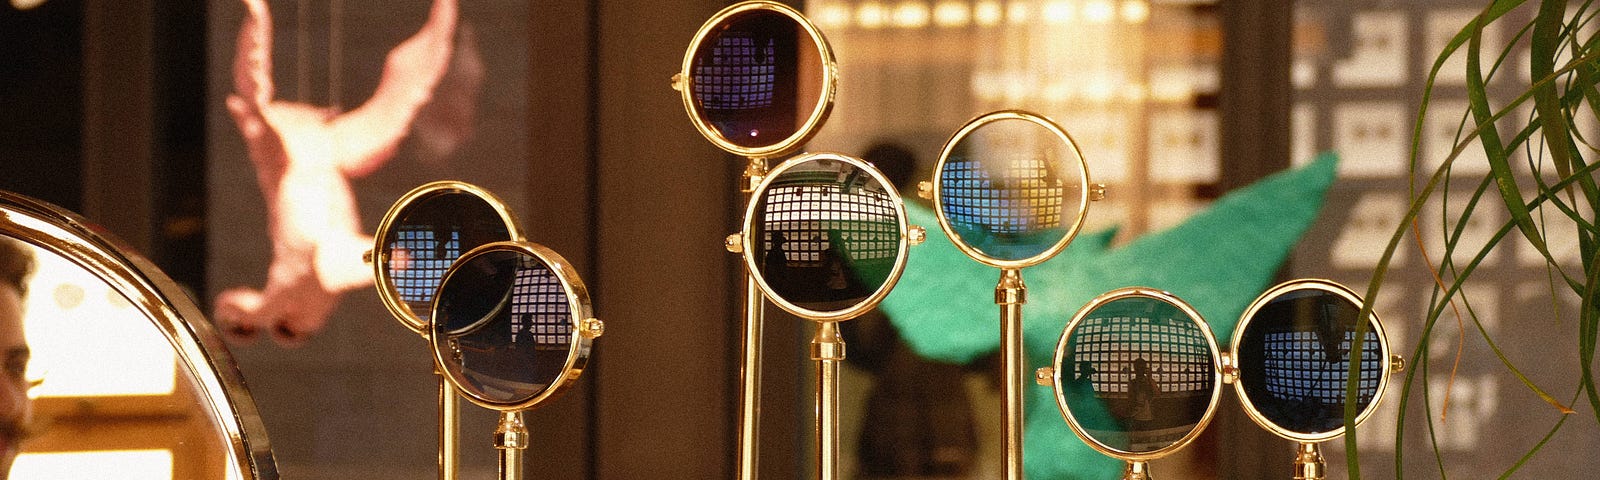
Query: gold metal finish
915	235
754	172
734	243
1211	344
449	429
828	350
1045	376
1083	190
749	247
1136	470
592	328
194	340
1011	294
1308	463
380	256
1397	364
682	81
1230	370
366	257
925	190
1330	287
748	441
511	439
1097	192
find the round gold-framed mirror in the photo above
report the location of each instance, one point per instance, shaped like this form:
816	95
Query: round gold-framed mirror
207	382
512	325
1011	189
423	233
826	236
758	79
1137	374
1291	353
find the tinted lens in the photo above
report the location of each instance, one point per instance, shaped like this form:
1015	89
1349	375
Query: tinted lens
757	78
428	236
1138	374
1012	189
504	326
1294	360
827	235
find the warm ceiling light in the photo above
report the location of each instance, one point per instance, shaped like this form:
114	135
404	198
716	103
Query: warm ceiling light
833	15
872	15
1135	11
987	13
951	14
1099	11
1019	13
26	4
1058	12
911	14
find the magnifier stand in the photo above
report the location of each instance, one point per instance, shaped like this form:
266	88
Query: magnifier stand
449	429
1010	294
511	438
1136	470
827	348
1308	464
750	366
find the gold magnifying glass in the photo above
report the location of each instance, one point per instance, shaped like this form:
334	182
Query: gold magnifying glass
1292	354
512	327
1137	375
757	81
417	241
826	240
1011	190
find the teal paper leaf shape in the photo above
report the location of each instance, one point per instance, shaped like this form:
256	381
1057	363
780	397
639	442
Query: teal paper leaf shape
1218	261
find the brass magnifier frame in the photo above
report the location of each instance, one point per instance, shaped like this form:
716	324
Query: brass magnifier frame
1309	463
755	170
1011	293
389	292
827	346
1137	461
511	435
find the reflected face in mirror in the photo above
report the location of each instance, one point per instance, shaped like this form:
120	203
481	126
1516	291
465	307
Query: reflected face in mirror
826	235
1294	360
504	326
1138	374
426	238
16	409
756	78
1012	189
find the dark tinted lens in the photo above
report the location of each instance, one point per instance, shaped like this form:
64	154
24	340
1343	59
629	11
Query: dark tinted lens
1294	359
1138	374
827	235
757	78
1011	189
428	236
504	325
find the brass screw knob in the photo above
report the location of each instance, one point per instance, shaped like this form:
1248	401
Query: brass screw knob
1097	192
734	243
593	328
366	257
1397	364
1045	376
915	235
925	190
677	81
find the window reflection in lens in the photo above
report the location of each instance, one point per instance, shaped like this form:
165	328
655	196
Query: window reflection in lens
1294	360
1011	189
505	325
757	78
429	235
828	235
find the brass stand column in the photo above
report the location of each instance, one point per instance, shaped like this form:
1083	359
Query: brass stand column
449	430
828	350
511	438
1136	471
1010	294
1308	464
750	362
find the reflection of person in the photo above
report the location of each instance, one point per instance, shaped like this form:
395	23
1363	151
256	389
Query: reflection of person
1142	389
1085	375
16	410
305	156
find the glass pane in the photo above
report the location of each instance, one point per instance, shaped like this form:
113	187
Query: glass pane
1294	360
504	326
757	78
827	235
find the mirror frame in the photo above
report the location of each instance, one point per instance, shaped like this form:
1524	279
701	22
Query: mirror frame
1216	373
585	327
1273	293
380	253
683	82
200	350
752	264
1084	194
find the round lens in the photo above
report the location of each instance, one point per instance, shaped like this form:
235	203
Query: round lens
1294	360
826	235
1012	187
425	236
757	79
1138	375
504	326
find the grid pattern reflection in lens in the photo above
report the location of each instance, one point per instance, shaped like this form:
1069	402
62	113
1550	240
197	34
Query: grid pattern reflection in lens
1011	188
424	233
1139	374
829	236
418	259
1294	360
745	77
506	326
